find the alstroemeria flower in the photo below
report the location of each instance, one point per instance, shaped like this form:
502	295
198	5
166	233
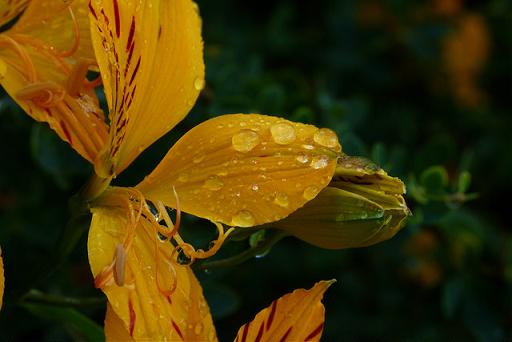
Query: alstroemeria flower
44	58
238	170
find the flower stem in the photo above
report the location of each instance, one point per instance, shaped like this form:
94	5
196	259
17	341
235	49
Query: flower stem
260	248
36	296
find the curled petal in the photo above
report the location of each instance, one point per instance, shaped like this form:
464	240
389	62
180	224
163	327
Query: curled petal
150	54
297	316
245	170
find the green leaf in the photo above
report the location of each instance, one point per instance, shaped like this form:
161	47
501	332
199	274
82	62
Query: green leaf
434	179
75	321
464	181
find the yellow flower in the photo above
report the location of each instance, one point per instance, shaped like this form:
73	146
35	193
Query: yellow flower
44	59
238	170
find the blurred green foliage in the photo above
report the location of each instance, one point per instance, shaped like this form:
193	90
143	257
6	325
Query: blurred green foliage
386	77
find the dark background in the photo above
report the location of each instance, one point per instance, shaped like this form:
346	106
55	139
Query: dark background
422	88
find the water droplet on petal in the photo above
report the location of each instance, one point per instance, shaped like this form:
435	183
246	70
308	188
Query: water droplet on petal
327	138
245	140
199	83
213	183
308	147
255	187
282	200
302	158
198	328
310	192
243	218
319	162
283	133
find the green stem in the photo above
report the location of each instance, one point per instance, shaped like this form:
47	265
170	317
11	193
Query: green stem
245	255
36	296
94	187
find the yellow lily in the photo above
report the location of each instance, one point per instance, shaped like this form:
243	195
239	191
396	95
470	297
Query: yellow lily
44	58
239	170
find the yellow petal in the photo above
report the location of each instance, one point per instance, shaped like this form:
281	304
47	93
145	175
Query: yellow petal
244	170
144	270
2	279
9	9
297	316
150	55
54	23
114	327
49	83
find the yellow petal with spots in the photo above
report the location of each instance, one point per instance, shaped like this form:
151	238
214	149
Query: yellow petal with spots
244	170
2	279
297	316
49	83
144	302
115	329
9	9
150	55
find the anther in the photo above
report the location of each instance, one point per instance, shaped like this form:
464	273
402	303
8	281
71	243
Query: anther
120	265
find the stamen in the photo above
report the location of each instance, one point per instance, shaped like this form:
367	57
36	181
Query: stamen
120	264
76	31
25	58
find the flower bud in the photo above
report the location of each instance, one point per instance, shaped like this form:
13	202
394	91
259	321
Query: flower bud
361	206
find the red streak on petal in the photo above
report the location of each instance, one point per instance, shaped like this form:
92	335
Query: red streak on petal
92	10
315	332
286	334
246	330
116	13
135	71
177	328
132	317
66	132
260	332
130	35
271	316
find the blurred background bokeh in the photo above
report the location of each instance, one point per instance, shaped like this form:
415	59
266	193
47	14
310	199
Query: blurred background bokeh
423	88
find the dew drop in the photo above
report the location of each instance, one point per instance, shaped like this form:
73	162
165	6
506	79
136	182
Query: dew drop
308	147
283	133
245	140
310	192
282	200
302	158
198	329
199	83
319	162
255	187
213	183
243	218
327	138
